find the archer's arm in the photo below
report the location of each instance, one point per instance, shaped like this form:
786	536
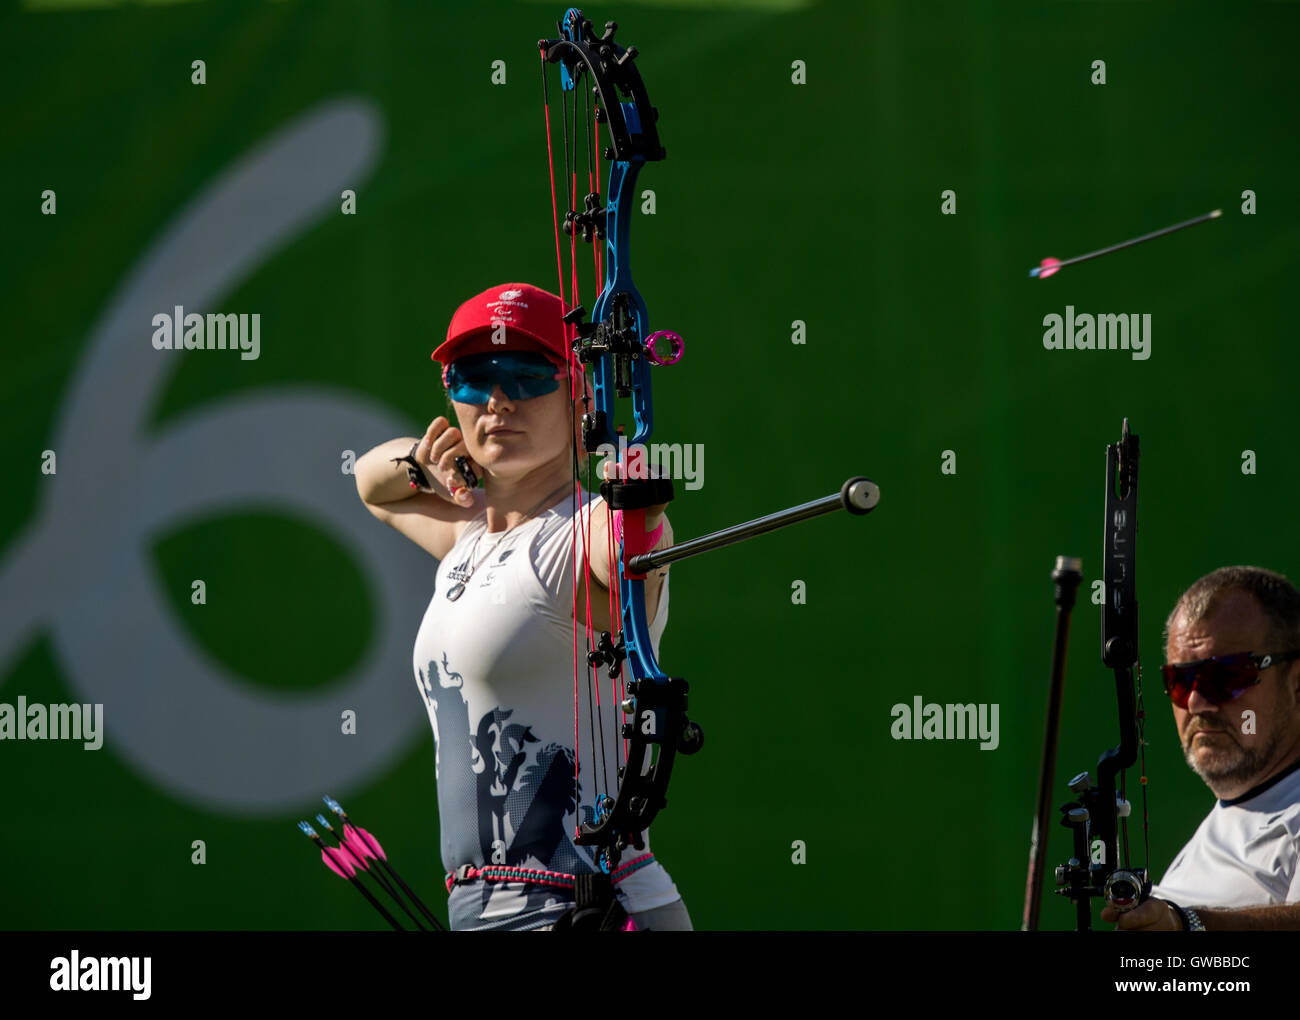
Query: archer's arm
430	520
1160	915
1282	917
601	564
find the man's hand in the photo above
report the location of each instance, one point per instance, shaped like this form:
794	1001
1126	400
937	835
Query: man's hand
1153	915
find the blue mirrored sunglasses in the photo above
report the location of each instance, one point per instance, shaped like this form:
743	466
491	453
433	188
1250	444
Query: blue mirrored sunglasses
521	376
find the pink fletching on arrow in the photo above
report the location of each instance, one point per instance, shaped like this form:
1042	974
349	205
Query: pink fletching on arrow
337	863
1047	267
363	842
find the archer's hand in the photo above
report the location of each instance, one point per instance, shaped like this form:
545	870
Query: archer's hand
438	450
1153	915
654	513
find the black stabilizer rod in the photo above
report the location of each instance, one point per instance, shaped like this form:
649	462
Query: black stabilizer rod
858	496
1065	577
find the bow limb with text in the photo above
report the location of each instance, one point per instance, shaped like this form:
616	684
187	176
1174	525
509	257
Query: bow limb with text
1099	867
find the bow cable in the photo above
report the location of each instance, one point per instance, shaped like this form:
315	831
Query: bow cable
587	221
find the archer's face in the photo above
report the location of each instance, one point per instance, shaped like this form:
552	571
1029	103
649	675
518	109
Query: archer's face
513	437
1235	745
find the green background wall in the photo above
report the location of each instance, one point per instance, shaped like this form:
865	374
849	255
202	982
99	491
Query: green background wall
776	203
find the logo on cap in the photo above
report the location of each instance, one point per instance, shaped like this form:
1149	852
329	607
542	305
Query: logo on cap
504	308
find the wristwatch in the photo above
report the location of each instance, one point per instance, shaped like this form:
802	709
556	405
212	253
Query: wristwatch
1190	918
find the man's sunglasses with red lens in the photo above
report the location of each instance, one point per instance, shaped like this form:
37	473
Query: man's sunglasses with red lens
1221	678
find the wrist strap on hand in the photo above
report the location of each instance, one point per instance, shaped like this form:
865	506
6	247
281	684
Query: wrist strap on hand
419	480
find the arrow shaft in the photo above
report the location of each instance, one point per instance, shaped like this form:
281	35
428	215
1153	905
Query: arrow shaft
1138	240
375	903
414	899
372	872
353	879
382	862
382	882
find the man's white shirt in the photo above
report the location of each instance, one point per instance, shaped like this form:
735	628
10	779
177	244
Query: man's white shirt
1244	854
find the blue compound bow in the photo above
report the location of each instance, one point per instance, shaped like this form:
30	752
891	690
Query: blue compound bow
615	122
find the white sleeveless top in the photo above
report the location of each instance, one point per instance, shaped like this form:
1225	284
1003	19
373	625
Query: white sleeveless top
494	665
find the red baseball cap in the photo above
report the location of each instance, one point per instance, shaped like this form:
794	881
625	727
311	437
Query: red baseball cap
531	317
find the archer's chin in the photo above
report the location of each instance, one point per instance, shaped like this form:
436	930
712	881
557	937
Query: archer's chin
1214	757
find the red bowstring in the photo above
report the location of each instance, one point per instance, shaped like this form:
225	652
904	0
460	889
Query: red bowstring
615	611
555	211
583	527
568	336
591	187
578	526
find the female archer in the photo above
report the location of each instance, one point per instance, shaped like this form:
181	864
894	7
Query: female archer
523	562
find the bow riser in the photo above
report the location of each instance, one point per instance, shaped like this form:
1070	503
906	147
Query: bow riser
1098	816
622	371
1119	637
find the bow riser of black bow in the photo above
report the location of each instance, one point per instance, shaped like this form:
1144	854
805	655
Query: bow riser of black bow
1099	867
